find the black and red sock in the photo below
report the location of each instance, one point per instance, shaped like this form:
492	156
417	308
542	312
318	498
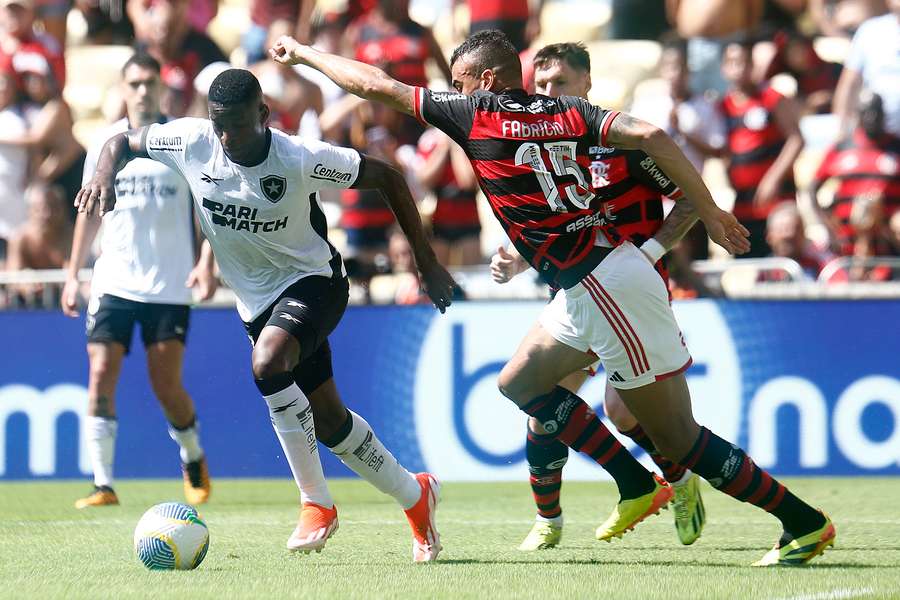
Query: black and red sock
671	471
546	457
574	423
728	469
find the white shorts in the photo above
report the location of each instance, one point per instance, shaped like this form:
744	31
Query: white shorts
621	313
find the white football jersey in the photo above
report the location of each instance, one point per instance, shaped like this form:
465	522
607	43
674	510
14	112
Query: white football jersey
147	242
265	223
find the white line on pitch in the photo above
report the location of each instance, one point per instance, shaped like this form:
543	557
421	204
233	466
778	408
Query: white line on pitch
838	594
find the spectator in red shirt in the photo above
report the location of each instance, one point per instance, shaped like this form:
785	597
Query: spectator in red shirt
867	167
455	226
21	48
763	141
181	50
816	78
56	156
873	240
786	236
263	13
520	22
389	39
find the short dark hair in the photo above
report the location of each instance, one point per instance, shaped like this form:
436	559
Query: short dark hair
574	54
234	86
143	60
489	49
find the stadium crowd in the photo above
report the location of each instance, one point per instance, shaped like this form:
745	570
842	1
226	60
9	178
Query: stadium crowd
790	108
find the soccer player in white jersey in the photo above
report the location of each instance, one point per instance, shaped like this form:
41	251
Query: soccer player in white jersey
142	276
256	195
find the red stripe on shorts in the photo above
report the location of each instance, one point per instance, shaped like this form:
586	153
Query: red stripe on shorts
613	323
627	324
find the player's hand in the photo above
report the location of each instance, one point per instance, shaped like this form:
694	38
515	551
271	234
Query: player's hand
504	266
203	281
437	283
285	51
69	299
98	193
725	230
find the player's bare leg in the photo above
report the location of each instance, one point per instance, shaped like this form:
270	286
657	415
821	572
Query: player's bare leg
546	457
689	511
275	354
352	440
105	364
165	362
531	380
664	410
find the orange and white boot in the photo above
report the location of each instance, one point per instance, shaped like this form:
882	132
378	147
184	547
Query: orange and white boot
426	541
315	526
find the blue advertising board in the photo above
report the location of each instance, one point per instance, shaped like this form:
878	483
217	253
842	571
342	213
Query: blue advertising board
808	387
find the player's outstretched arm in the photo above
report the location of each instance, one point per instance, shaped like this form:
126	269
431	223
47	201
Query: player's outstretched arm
675	226
355	77
436	281
631	133
100	191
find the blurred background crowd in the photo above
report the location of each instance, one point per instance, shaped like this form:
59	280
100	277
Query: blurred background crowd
790	109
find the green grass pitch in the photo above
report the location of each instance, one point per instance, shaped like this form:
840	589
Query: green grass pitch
50	550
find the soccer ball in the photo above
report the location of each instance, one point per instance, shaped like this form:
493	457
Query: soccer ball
171	535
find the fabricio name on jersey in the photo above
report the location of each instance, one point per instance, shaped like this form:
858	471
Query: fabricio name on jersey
241	218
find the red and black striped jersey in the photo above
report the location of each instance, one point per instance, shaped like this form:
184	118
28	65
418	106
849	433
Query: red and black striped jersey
401	50
509	16
754	142
531	155
364	209
456	206
631	188
863	167
498	10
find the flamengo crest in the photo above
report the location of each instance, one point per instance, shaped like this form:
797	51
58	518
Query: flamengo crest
273	186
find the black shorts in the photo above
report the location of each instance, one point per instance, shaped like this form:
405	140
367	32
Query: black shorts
455	233
309	310
114	320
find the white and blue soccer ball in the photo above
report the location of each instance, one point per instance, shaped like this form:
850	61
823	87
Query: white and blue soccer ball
170	536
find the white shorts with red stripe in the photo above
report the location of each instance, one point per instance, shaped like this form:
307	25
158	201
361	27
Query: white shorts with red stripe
621	313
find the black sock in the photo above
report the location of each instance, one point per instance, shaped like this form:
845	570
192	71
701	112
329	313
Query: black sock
671	471
728	469
575	424
546	457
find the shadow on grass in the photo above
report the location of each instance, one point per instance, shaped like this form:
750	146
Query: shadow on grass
653	563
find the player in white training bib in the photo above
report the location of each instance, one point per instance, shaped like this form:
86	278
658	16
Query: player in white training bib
142	276
255	191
